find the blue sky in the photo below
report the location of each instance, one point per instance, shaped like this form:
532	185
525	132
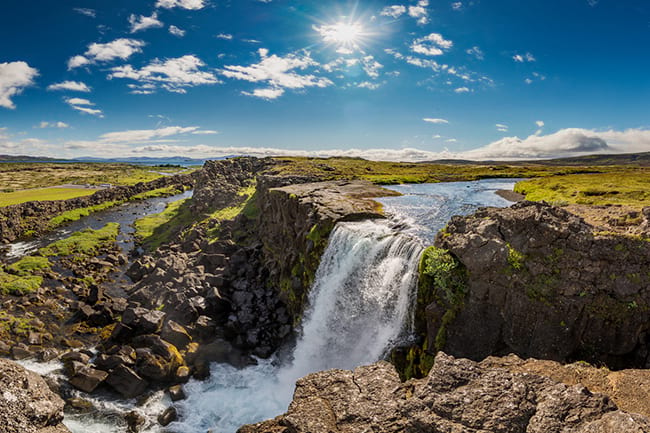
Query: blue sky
402	80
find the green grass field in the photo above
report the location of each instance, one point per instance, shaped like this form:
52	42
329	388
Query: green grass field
629	187
17	197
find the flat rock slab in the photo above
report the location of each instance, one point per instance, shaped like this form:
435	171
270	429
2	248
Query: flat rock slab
341	200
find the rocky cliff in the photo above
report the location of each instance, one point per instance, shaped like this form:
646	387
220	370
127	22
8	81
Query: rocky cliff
26	403
537	281
458	395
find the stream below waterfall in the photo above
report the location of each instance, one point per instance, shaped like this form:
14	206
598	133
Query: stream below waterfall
359	308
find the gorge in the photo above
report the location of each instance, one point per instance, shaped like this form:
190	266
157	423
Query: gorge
299	274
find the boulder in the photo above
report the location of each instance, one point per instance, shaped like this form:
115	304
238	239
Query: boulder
126	381
458	395
175	334
168	416
87	379
26	403
142	320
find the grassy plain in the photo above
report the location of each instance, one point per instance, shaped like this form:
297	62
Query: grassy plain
620	186
17	197
20	176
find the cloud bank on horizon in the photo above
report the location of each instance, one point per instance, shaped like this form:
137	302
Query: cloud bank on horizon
404	80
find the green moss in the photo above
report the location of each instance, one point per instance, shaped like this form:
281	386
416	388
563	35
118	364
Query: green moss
28	265
515	258
76	214
83	243
19	285
155	193
154	230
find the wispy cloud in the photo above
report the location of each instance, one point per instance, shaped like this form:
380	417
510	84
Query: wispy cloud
224	36
84	106
501	127
14	78
73	86
420	12
436	121
85	11
176	31
395	11
60	125
184	4
475	52
173	75
522	58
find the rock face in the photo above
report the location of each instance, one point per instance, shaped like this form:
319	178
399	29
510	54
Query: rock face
539	283
26	403
458	395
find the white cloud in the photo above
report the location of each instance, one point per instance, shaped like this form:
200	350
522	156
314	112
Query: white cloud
173	75
73	86
278	73
176	31
369	85
521	58
185	4
224	36
451	140
539	123
121	48
139	135
60	125
457	6
462	90
420	12
476	52
85	11
78	101
83	106
395	11
270	93
436	121
14	77
501	127
142	22
431	45
91	111
204	132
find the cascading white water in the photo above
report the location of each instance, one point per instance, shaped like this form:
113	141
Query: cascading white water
359	307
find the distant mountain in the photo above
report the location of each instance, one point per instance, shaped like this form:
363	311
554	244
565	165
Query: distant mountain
25	158
145	160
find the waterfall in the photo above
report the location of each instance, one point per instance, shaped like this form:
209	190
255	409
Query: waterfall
359	307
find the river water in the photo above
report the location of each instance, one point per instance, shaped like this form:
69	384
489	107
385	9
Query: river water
359	308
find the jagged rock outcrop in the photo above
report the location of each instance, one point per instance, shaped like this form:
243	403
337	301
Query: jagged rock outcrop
26	403
458	395
18	219
538	282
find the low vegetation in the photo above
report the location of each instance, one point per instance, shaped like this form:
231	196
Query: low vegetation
39	194
156	193
629	187
83	243
385	173
20	176
76	214
154	230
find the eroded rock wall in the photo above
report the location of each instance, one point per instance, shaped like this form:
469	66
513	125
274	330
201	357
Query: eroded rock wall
539	283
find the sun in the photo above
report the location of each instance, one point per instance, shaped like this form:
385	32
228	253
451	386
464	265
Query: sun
348	35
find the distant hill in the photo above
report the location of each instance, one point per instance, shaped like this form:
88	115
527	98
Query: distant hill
640	159
25	158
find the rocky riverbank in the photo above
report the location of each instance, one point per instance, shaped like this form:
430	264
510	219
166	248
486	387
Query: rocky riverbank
458	395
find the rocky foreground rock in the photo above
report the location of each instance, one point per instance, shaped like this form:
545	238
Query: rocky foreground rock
26	403
458	396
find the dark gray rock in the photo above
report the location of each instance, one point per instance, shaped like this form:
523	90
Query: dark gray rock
126	381
87	379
